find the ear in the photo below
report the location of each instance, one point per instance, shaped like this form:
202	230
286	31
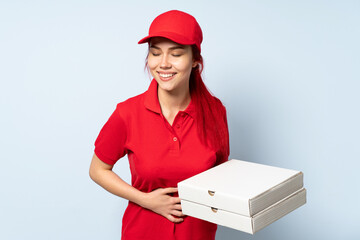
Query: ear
195	63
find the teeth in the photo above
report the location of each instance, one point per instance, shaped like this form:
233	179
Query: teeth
166	75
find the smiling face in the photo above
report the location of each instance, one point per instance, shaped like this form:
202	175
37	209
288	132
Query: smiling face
170	64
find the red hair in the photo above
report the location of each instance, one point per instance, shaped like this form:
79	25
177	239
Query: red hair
211	114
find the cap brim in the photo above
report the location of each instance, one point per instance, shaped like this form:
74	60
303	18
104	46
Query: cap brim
169	35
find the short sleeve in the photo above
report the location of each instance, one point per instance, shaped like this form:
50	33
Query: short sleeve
111	141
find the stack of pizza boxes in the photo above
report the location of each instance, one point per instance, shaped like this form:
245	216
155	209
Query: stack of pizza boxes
242	195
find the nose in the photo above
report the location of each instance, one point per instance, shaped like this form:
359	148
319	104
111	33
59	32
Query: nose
165	64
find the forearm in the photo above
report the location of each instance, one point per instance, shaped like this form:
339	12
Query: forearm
111	182
158	201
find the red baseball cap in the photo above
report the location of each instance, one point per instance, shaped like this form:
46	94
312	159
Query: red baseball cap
177	26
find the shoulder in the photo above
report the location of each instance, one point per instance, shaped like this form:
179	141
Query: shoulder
131	103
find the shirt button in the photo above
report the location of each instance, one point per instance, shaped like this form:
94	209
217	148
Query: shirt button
177	125
175	139
183	114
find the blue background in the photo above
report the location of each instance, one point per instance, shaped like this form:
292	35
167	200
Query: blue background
287	71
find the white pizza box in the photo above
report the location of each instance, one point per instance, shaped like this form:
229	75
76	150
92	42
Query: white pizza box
245	223
242	195
241	187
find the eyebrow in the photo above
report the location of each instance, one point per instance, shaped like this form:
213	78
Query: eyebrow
171	48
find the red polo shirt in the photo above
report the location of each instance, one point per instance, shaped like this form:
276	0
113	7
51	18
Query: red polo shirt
160	155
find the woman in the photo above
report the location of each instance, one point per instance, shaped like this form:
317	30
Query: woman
174	130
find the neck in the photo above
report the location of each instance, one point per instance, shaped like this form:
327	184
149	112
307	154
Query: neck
174	101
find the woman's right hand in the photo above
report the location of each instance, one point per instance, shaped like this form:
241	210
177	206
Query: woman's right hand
162	203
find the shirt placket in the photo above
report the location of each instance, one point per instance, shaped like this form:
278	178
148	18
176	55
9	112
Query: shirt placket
175	131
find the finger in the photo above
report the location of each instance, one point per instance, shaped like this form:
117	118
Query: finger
158	190
176	200
177	213
177	207
174	219
170	190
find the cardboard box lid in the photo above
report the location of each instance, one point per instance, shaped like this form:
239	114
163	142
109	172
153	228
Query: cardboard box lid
241	187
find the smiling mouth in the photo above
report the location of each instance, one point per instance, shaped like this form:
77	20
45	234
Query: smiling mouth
166	75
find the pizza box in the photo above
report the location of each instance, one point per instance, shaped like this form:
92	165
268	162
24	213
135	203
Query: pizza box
242	195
